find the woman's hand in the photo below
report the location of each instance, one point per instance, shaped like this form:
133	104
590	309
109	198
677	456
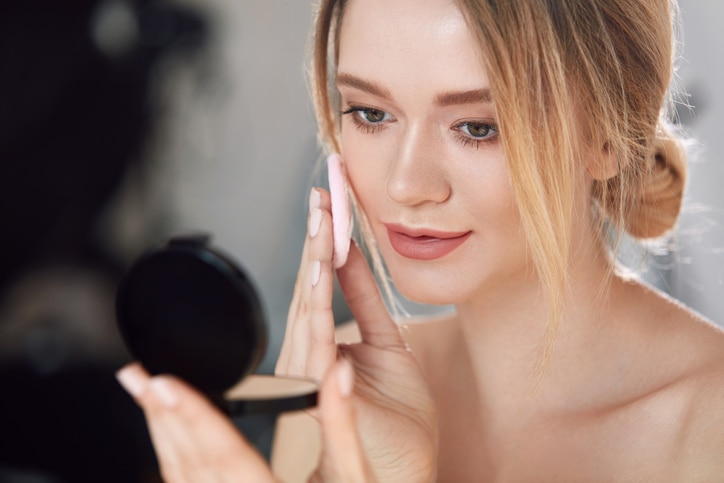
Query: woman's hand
194	442
395	411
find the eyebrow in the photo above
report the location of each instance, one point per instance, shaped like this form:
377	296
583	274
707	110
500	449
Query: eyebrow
474	96
363	85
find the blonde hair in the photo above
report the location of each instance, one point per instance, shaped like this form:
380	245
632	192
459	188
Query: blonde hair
616	56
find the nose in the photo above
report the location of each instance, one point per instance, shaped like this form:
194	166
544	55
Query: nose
418	175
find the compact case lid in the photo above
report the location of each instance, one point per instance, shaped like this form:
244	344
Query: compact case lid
187	309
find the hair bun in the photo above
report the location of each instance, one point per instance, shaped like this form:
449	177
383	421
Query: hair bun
657	204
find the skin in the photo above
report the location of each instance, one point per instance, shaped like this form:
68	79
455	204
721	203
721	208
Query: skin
634	387
633	390
194	442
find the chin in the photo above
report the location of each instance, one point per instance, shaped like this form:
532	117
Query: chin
430	290
454	285
429	299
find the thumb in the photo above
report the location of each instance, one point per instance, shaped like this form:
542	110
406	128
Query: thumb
365	302
343	458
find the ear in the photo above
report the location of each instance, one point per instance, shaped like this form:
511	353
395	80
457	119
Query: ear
602	164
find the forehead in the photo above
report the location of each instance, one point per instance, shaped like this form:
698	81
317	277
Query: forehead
410	43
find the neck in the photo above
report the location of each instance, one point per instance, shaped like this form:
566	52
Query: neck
504	331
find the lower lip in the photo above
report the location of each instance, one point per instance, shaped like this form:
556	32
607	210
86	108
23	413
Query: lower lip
424	247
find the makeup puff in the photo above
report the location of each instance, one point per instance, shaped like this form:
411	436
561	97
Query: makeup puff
341	213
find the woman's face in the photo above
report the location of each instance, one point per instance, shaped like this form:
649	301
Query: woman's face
422	151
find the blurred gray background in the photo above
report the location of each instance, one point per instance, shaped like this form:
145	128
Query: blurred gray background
236	148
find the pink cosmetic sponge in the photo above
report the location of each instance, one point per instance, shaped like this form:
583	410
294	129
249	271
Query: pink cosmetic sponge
341	213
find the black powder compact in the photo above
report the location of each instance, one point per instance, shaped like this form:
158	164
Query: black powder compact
187	309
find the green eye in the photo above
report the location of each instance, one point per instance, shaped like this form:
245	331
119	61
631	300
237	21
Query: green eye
478	130
368	119
373	115
476	133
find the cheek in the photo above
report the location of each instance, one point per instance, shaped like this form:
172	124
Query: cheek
482	188
366	171
497	209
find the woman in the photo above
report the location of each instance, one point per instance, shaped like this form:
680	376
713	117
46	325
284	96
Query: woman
497	152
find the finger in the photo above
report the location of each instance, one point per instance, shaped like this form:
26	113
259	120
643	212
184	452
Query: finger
311	348
365	302
318	229
216	441
136	381
296	306
194	441
344	458
174	449
316	328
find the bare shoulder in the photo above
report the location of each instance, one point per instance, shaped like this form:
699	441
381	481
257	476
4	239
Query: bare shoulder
690	342
702	442
689	336
691	351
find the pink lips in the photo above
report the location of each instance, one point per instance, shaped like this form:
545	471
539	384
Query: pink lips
424	244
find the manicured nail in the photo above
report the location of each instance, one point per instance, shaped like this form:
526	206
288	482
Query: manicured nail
315	222
315	200
345	378
132	380
164	393
316	272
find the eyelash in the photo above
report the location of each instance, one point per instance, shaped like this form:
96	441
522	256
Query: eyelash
470	140
369	127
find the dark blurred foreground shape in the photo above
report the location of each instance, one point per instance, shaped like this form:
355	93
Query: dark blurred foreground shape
74	116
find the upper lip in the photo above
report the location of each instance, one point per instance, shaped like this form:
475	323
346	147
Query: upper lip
419	232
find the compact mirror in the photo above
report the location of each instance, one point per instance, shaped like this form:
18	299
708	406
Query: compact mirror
187	309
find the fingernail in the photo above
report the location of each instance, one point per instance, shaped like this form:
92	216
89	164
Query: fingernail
315	200
316	272
164	393
132	380
345	378
315	221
